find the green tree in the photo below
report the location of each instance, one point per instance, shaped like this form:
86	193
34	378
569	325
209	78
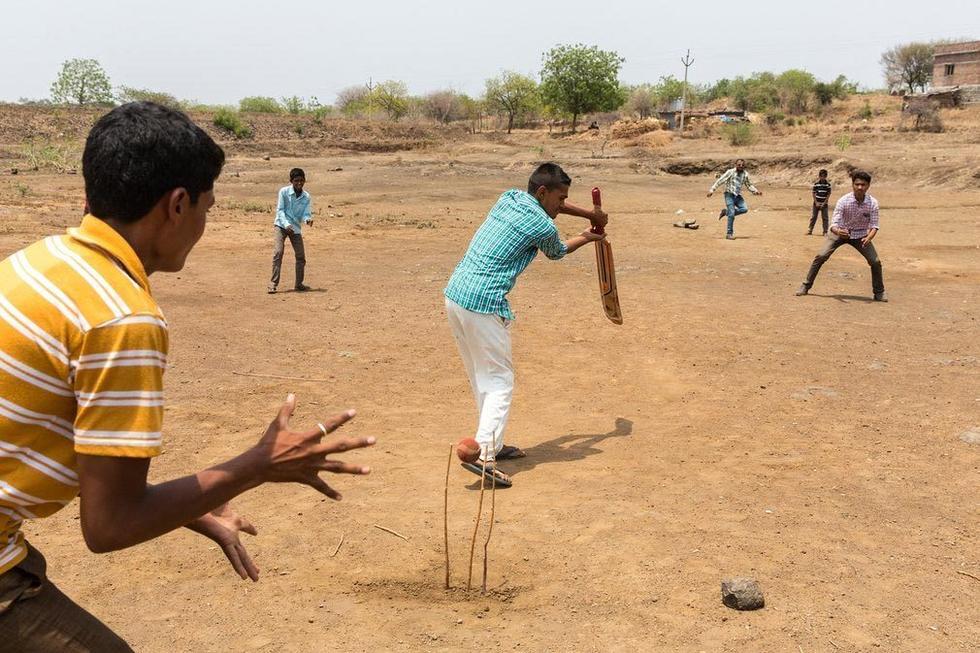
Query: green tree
720	89
667	90
908	65
755	93
795	88
838	89
81	81
392	97
513	94
130	94
577	79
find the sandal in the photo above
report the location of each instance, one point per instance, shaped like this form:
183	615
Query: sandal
493	475
509	452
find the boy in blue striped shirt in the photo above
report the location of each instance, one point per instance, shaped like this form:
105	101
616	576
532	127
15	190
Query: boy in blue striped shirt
518	226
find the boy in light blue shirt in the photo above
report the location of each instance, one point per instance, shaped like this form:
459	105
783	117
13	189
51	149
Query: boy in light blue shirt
293	210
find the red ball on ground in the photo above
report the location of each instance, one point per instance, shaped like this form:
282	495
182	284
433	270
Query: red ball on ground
468	450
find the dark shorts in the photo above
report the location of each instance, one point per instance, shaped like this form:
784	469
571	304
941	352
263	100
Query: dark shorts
35	616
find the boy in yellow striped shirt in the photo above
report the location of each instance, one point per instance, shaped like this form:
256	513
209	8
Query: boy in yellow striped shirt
83	349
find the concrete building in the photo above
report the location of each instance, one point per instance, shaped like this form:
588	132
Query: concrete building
958	65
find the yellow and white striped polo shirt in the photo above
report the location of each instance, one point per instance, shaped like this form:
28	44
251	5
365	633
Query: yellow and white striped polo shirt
83	348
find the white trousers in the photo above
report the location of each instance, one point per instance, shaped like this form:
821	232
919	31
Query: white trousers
484	344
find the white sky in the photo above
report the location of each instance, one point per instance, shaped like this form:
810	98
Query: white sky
218	51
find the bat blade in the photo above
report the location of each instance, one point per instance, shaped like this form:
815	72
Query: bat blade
607	282
608	293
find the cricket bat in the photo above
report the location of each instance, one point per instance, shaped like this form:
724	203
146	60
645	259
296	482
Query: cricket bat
606	270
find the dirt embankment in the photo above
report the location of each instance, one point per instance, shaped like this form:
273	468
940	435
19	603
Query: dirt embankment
276	134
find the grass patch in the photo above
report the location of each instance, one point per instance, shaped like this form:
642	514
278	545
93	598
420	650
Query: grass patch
231	121
247	207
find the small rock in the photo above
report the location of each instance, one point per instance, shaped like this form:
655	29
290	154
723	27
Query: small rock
14	171
742	594
459	621
679	212
971	436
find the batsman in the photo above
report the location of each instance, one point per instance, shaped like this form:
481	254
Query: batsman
518	226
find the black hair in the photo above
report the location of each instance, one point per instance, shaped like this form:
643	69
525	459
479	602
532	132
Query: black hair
549	175
140	151
296	173
737	160
822	173
862	175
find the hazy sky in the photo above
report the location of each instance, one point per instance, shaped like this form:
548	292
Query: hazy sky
218	51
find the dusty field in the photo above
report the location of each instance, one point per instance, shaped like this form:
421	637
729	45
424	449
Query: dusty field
727	428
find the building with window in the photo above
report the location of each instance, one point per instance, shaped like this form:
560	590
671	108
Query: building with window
958	65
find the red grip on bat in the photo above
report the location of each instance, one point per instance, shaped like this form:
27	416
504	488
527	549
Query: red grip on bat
597	201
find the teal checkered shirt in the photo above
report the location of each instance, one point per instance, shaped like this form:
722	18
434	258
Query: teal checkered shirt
506	243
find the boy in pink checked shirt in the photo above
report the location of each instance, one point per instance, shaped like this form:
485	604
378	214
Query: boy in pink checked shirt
856	224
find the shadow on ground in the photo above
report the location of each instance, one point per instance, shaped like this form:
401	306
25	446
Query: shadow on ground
566	449
845	298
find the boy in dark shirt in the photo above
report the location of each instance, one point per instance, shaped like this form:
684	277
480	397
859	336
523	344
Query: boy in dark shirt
821	198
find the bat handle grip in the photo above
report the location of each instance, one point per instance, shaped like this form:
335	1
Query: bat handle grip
597	202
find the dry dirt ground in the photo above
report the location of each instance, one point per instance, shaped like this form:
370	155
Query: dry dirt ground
728	428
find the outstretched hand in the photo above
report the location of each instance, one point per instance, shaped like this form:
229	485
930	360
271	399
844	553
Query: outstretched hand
222	525
299	456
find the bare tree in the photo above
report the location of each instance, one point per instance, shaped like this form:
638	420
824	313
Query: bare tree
908	66
442	106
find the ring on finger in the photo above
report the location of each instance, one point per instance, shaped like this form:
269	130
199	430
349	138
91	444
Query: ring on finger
323	429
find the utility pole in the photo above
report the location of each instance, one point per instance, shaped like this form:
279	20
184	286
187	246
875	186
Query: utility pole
687	61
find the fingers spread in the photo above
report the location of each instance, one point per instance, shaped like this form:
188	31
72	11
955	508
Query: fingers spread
338	420
247	564
320	485
342	444
246	526
231	552
286	411
337	467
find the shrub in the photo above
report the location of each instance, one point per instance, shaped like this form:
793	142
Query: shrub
259	104
790	121
774	117
865	111
354	101
843	142
231	121
130	94
294	105
741	133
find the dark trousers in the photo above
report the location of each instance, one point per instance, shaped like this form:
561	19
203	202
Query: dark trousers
824	213
296	240
868	252
36	617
